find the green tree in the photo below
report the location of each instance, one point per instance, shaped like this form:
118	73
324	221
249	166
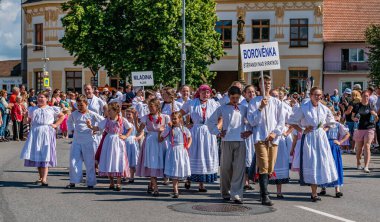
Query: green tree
372	35
142	35
83	28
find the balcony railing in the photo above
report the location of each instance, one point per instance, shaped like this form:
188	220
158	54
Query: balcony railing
346	66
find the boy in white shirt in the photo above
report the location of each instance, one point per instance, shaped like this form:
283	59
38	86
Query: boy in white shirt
233	133
84	144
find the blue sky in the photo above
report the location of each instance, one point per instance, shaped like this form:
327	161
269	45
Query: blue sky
10	29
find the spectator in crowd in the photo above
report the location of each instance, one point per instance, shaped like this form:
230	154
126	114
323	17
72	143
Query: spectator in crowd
17	117
335	98
129	95
32	100
15	93
4	108
365	114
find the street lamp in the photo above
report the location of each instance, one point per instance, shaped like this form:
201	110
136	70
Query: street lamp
183	53
45	58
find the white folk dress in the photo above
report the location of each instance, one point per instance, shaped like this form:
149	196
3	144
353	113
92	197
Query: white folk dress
113	158
177	162
316	162
204	157
39	148
152	154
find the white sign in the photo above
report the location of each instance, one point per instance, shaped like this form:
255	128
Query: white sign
142	78
260	56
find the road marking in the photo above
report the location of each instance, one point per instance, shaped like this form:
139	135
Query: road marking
325	214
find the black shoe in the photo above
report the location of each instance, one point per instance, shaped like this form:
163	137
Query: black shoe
117	188
187	185
238	201
112	187
280	196
43	184
175	195
202	190
156	194
90	187
71	185
323	192
339	195
226	198
131	180
315	199
149	190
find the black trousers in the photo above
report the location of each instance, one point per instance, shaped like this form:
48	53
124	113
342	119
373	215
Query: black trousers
18	131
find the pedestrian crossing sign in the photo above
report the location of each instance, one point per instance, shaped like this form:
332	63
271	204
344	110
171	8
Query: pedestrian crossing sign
46	82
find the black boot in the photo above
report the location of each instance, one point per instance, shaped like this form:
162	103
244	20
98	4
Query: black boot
264	180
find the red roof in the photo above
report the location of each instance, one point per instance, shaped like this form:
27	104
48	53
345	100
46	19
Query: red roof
10	68
347	20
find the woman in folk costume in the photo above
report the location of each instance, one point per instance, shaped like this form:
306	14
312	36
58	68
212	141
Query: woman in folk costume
203	152
39	148
169	105
281	167
316	164
249	93
337	135
152	154
177	163
113	160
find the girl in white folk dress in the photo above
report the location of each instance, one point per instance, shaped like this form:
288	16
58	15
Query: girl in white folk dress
152	154
132	143
39	149
113	160
177	163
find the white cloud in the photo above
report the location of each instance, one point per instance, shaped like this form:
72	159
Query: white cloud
10	29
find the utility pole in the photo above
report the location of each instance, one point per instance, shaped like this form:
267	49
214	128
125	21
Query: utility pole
183	51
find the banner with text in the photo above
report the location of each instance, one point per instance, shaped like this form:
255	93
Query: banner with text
142	78
260	56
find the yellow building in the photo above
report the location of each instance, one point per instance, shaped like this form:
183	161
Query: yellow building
295	24
42	25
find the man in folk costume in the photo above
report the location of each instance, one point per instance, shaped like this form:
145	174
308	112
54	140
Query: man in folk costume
266	114
233	134
96	105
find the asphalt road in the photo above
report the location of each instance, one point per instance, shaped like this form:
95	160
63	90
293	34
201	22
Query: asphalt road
21	200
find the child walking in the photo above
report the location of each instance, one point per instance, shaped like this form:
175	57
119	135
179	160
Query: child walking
63	125
337	135
113	157
152	155
177	162
132	144
83	146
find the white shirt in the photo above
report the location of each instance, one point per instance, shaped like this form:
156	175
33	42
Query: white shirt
269	120
234	122
166	108
96	105
77	122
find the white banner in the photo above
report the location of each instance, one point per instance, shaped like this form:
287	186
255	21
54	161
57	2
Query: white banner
260	56
142	78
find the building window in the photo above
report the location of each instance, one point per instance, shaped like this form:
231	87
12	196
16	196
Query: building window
39	81
350	84
297	80
38	36
224	28
260	30
357	55
299	32
74	81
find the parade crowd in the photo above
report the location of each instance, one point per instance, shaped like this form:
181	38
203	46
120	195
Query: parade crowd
190	135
